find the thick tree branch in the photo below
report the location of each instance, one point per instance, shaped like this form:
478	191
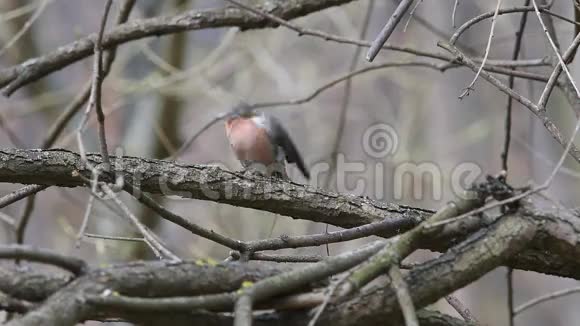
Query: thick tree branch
71	264
25	284
58	168
139	279
153	280
463	264
64	168
472	258
11	79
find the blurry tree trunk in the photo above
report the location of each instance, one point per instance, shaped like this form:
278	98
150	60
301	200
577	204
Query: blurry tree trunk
166	116
24	49
26	46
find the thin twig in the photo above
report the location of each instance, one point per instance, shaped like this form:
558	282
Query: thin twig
461	309
284	258
545	298
74	265
510	296
345	104
308	97
568	54
551	28
497	68
212	302
405	301
95	101
511	82
393	252
18	12
13	78
455	5
66	115
20	194
85	221
24	219
96	87
172	217
348	76
327	299
487	48
88	209
388	29
330	37
25	28
83	96
298	277
512	199
548	123
410	15
555	48
12	136
155	245
110	237
385	228
76	104
468	24
8	220
193	137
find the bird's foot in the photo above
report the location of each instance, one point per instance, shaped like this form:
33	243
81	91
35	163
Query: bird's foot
280	175
253	173
271	171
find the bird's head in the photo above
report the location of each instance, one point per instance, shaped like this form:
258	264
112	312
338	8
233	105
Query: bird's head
242	110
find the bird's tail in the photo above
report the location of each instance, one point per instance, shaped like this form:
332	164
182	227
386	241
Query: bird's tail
301	166
293	156
283	139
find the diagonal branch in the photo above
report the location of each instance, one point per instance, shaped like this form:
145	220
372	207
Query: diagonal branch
555	47
13	78
58	168
461	265
392	254
388	29
548	124
64	168
486	55
20	194
67	306
71	264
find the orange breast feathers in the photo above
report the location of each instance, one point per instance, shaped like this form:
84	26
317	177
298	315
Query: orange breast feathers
249	142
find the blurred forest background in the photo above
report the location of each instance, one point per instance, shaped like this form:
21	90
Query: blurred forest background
162	90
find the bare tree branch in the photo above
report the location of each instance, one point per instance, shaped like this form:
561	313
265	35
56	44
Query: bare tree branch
550	126
471	259
388	29
20	194
74	265
14	78
64	168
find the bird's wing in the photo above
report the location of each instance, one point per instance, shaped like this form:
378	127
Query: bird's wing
282	139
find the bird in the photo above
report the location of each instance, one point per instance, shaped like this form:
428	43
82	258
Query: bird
261	143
